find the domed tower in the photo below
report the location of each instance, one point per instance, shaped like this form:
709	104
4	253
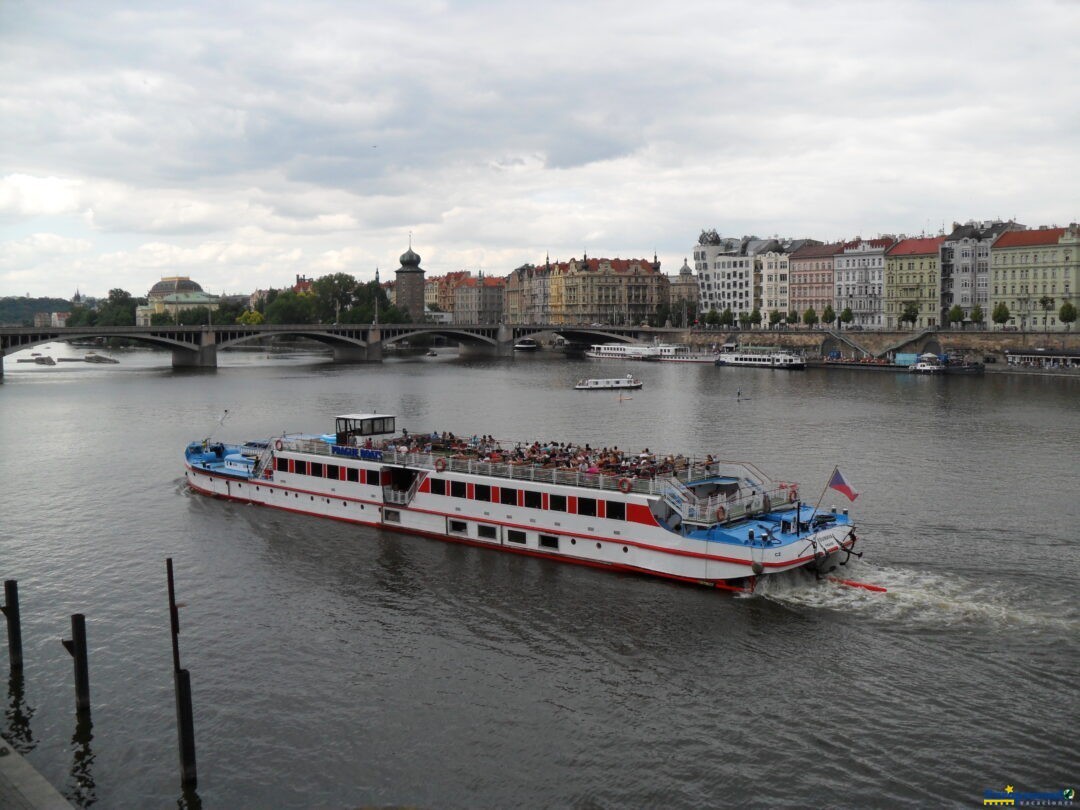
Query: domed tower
409	288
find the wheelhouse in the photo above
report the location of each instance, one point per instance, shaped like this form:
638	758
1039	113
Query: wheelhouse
362	426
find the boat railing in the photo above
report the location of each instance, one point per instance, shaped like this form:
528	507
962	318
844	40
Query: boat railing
666	484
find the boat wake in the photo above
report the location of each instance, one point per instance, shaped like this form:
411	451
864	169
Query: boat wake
919	598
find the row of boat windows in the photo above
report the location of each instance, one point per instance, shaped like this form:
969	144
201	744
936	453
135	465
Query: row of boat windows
613	510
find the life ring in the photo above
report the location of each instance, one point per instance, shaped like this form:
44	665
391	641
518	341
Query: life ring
721	514
278	445
440	464
268	473
625	485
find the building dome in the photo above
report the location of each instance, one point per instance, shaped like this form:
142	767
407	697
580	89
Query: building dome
685	269
410	259
170	285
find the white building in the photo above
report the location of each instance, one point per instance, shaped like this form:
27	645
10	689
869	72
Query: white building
858	276
725	272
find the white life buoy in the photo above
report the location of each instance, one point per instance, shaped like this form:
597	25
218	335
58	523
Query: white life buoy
625	485
278	445
440	464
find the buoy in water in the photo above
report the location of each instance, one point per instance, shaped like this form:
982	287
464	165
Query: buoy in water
853	584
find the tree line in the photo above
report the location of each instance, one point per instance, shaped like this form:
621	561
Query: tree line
336	298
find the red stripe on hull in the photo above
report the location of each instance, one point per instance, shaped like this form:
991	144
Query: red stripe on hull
720	584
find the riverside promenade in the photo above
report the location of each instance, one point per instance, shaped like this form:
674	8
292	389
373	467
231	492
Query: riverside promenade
23	788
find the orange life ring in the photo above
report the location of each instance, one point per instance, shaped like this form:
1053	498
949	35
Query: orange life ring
625	485
721	514
440	464
278	445
268	473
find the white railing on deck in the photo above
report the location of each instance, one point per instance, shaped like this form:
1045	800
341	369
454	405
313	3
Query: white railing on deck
669	485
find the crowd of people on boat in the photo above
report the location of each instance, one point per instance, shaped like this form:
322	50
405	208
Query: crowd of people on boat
549	455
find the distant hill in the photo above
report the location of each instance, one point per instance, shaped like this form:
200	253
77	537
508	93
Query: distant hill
20	311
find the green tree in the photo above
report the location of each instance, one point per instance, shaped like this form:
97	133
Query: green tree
250	317
333	294
1067	314
847	316
161	319
755	317
1001	313
82	316
793	317
828	315
977	315
910	314
712	318
118	309
775	317
744	320
228	311
194	316
1047	304
727	317
288	307
956	314
810	316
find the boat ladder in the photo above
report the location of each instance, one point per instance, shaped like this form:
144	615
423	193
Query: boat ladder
264	462
680	498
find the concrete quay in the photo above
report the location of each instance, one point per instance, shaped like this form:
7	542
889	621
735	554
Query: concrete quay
22	787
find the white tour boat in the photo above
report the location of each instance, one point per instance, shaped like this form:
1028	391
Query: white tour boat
526	345
773	358
620	351
602	384
713	523
680	353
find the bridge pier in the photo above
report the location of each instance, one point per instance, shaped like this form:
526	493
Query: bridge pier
372	353
202	356
505	345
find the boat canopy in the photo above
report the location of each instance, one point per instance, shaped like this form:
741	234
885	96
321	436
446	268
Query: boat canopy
363	424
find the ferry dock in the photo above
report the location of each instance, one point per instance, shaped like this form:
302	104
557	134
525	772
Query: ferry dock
22	787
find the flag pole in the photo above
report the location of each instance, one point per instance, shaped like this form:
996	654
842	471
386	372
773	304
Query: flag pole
824	490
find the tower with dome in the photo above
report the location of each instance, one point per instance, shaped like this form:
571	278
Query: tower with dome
409	286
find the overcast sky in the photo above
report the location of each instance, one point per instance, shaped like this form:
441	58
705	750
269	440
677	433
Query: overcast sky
243	143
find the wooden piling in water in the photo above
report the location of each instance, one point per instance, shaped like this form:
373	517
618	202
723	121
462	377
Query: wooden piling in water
14	625
77	647
185	718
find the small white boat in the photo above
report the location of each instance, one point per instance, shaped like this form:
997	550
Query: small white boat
680	353
621	351
432	353
526	345
629	382
928	364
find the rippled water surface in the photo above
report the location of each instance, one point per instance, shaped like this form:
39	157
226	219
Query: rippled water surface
337	666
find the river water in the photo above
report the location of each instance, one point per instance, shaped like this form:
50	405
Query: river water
335	667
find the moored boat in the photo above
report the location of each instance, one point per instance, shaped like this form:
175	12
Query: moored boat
771	358
526	345
710	522
927	364
620	351
607	384
680	353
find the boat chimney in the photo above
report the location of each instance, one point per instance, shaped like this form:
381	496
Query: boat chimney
750	535
845	513
832	509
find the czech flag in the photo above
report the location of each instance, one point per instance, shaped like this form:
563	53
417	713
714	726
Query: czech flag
840	484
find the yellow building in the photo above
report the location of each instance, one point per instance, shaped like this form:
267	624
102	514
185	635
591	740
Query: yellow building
912	277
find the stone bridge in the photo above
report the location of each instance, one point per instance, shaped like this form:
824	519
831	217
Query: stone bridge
197	346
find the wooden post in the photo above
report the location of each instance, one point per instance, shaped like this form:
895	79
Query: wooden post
185	720
77	647
14	625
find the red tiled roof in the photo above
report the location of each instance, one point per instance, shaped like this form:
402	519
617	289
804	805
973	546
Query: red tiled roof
916	247
1048	236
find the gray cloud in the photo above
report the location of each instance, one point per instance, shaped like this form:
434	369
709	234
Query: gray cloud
323	133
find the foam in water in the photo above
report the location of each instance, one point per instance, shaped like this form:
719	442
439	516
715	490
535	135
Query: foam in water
914	597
